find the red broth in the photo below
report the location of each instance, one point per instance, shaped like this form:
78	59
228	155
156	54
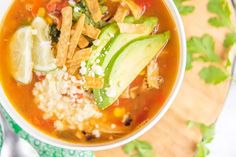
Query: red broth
142	108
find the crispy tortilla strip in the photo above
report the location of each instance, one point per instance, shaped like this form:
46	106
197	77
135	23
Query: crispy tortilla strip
121	13
90	82
136	10
64	40
95	83
79	56
131	28
91	31
76	36
84	53
71	70
94	8
83	42
153	76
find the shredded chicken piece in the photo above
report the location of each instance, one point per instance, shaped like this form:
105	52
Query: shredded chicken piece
153	76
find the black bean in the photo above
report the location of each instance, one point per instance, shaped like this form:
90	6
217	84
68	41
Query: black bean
128	121
89	137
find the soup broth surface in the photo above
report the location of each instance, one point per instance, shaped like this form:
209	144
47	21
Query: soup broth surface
142	108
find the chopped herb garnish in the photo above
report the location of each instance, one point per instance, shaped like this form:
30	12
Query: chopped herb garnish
81	8
213	75
54	33
221	9
208	132
201	49
230	39
139	148
183	9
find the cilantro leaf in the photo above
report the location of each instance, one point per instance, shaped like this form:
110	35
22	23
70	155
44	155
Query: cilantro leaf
213	75
139	148
183	9
202	48
202	150
208	133
189	61
54	33
222	10
230	39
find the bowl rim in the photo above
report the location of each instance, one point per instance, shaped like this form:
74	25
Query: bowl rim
37	134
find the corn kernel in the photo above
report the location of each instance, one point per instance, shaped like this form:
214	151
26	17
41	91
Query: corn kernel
41	12
49	20
119	112
143	72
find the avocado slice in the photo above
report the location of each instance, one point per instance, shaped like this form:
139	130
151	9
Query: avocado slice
125	66
122	39
105	36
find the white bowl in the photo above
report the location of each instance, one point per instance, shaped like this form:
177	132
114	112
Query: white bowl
50	140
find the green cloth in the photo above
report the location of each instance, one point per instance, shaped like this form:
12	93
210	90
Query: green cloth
44	150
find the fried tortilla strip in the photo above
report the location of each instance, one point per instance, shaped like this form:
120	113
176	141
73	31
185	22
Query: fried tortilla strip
136	10
64	39
90	82
91	31
95	83
79	56
94	8
71	70
153	76
76	36
132	28
121	13
83	42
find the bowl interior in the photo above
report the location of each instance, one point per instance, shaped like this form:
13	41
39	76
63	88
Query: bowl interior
47	139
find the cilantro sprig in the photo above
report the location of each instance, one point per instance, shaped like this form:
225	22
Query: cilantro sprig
184	9
208	132
213	75
222	11
139	148
203	49
222	18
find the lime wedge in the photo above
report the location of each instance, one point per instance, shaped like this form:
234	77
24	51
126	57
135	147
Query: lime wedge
21	56
43	58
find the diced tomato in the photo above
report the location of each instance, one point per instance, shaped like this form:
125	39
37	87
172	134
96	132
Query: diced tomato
79	96
55	6
144	4
41	77
137	81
